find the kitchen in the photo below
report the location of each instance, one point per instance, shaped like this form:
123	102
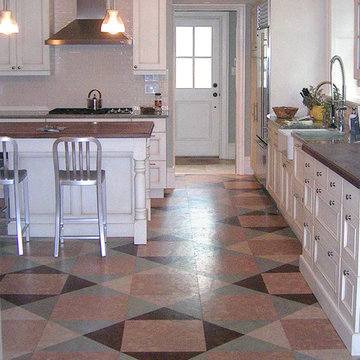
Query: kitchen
75	70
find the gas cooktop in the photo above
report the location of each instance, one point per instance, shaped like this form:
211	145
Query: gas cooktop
86	111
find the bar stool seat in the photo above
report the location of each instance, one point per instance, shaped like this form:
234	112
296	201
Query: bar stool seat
75	168
12	176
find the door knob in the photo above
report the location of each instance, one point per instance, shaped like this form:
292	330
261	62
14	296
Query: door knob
215	94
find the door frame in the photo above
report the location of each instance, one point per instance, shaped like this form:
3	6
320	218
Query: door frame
240	9
223	18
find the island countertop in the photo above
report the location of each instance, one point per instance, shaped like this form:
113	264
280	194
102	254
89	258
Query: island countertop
127	129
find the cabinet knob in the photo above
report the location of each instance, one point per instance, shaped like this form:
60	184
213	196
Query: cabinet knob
13	67
347	217
152	164
330	253
346	272
135	67
19	67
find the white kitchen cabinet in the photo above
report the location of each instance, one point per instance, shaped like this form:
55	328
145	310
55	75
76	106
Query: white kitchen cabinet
25	53
298	161
149	37
298	208
286	172
308	236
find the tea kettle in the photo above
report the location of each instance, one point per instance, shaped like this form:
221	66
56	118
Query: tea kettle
94	103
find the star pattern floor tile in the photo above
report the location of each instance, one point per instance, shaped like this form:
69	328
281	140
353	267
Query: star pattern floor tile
218	280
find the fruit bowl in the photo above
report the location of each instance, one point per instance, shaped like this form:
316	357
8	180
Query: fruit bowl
285	112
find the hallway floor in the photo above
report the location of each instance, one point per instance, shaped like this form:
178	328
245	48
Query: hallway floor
185	165
218	280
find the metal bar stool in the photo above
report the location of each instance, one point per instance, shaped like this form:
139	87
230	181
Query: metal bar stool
10	175
76	170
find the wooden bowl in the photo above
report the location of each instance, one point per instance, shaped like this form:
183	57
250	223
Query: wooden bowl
285	112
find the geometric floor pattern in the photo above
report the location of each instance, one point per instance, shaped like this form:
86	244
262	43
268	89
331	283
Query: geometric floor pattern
218	280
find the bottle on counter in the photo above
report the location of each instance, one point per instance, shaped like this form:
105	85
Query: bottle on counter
158	103
354	122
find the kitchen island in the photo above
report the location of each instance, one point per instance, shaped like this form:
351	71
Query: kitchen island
125	160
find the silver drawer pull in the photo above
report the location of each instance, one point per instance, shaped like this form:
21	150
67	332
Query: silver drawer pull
307	181
330	253
152	164
331	202
306	225
348	196
318	173
317	237
347	217
307	165
332	184
346	273
318	191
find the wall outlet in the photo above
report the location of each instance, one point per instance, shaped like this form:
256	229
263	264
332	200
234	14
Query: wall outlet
151	88
151	78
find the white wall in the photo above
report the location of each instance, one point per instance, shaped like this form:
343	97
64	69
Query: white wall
79	68
298	50
342	43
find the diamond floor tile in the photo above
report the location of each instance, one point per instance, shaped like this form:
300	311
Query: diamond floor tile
218	280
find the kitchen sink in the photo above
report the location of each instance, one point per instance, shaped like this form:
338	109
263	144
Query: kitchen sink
286	140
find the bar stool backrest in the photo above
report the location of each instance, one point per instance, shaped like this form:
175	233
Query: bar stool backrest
9	163
76	161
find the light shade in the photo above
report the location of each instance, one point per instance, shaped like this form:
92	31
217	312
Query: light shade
7	24
113	23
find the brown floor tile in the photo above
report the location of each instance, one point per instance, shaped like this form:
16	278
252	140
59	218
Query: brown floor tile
47	355
311	334
90	307
28	333
34	284
108	265
242	185
237	307
226	264
6	263
262	221
286	283
250	355
149	336
166	248
275	247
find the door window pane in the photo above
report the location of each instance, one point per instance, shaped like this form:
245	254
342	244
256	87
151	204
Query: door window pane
203	72
184	73
184	41
203	41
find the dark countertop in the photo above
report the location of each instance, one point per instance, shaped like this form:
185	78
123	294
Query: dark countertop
83	116
340	153
126	129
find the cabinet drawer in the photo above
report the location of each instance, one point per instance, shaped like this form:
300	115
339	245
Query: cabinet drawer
157	174
327	211
320	173
308	166
308	237
322	235
159	124
350	240
326	268
348	300
334	184
158	146
351	197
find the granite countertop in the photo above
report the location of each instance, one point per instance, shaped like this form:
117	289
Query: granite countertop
33	130
339	153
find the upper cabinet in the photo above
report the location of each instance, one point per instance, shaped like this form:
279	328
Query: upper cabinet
149	38
25	53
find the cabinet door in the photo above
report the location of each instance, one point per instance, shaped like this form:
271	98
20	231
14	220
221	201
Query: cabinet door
348	301
277	175
350	240
326	268
149	40
8	46
298	208
158	146
298	162
270	172
308	237
32	53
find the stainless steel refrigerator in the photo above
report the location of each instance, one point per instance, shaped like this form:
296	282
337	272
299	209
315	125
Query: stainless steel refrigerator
261	109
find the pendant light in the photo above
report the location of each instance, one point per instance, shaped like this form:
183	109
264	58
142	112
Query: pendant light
8	25
113	23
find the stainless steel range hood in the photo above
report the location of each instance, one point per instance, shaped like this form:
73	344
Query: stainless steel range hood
85	29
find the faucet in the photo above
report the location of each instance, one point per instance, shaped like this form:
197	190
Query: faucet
339	105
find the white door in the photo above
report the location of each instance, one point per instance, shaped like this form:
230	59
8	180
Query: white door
197	88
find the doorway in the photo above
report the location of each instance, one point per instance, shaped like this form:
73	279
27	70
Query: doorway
202	127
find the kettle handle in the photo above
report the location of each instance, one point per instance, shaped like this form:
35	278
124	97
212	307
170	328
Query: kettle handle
93	91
